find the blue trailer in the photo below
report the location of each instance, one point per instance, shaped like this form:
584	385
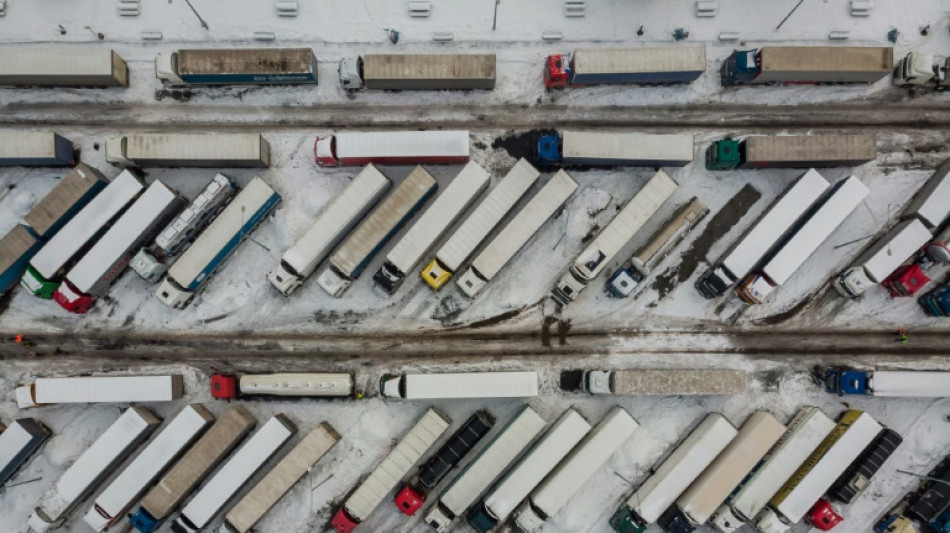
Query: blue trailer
244	66
16	249
612	149
35	149
648	66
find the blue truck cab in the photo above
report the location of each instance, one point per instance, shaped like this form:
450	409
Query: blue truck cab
842	381
741	67
144	522
549	150
937	301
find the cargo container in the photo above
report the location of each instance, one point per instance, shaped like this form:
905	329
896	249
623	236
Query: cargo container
665	382
919	68
411	497
320	385
151	262
876	263
102	389
243	66
62	67
244	150
856	478
783	261
805	432
807	64
231	477
418	71
92	467
613	238
791	151
17	248
392	213
459	385
105	262
447	208
35	149
70	243
884	383
285	474
336	220
67	198
614	149
537	463
18	442
191	469
480	222
112	503
199	263
629	277
575	470
931	204
482	471
672	477
516	233
649	66
392	148
778	220
386	476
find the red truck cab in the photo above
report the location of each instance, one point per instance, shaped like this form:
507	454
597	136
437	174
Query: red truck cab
72	299
409	501
556	72
223	387
823	515
906	281
343	522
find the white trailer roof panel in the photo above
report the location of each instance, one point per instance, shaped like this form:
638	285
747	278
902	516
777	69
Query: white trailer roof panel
932	201
18	61
298	384
652	59
14	440
895	247
381	144
27	144
910	384
59	201
186	147
676	149
472	385
106	389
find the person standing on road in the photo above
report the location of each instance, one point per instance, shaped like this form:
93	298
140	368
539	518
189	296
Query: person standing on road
902	336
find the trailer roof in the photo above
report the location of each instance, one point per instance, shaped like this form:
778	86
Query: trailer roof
13	245
19	434
895	247
27	144
472	385
679	382
194	146
805	148
298	384
50	210
108	389
243	60
646	59
17	61
827	59
910	383
932	202
633	216
587	145
428	66
382	144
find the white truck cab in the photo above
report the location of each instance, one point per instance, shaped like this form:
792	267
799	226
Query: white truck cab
470	283
598	381
769	522
918	68
323	150
567	288
115	151
350	70
172	296
25	397
724	520
146	265
166	68
333	283
527	519
389	386
284	279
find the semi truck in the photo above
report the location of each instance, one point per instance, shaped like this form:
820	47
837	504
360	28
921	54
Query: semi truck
651	382
884	383
393	212
411	497
112	503
17	248
215	150
35	149
18	442
62	67
70	195
191	469
939	248
60	253
853	433
336	220
152	262
928	504
937	301
876	263
485	468
394	72
672	477
807	64
92	467
931	204
242	66
648	66
856	478
805	432
516	233
101	389
480	222
235	473
105	262
614	149
447	208
504	497
211	249
791	151
695	506
298	384
459	385
778	220
613	238
576	470
921	68
392	148
629	277
780	264
387	475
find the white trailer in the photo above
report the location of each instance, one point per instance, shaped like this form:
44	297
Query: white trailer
883	257
906	384
530	470
499	202
35	149
931	204
516	233
62	67
675	474
296	384
853	433
112	503
588	148
229	479
123	437
385	477
239	66
18	442
244	150
418	71
255	504
490	463
613	238
392	148
336	220
444	211
459	385
785	259
666	382
575	470
778	220
805	432
102	389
